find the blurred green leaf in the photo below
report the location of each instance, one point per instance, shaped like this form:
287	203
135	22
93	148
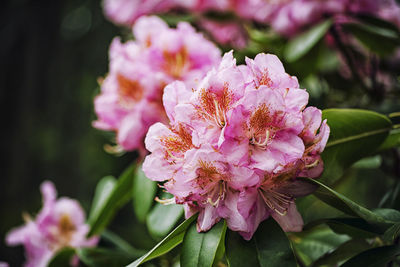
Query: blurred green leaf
103	191
310	245
62	258
162	218
389	214
299	46
342	253
144	191
168	243
393	140
240	252
355	227
106	207
346	205
121	244
101	257
392	233
381	23
368	34
354	134
369	163
200	249
374	257
272	245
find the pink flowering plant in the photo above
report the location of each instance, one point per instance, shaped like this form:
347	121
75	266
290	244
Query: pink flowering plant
236	144
60	224
239	157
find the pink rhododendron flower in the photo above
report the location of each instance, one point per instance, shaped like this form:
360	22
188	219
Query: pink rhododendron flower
236	143
60	224
130	99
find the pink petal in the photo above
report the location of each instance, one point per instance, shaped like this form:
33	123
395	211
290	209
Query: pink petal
291	221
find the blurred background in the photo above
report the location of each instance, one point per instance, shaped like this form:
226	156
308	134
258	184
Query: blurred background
51	54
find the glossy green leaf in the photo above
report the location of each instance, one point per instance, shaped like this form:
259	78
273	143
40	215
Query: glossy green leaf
162	218
168	243
272	245
368	34
103	191
101	257
299	46
200	249
354	135
62	258
310	245
144	191
120	194
343	253
348	206
240	252
374	257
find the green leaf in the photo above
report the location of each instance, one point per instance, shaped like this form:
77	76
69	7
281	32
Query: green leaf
380	23
103	191
105	207
121	244
392	233
393	140
144	191
343	253
200	249
354	134
299	46
272	245
162	218
99	257
240	252
374	257
310	245
62	258
347	206
168	243
368	34
355	227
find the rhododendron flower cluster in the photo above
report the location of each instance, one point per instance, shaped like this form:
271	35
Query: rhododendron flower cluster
130	99
60	224
236	143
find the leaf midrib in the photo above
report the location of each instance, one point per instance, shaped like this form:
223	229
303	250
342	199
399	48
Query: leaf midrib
357	136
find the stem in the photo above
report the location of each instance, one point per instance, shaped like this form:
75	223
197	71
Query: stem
347	56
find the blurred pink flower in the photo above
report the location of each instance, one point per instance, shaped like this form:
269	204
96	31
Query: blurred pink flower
59	224
236	144
130	98
226	33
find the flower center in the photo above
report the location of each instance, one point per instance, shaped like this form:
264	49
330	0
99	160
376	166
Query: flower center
176	64
129	90
212	182
213	106
264	79
260	127
177	144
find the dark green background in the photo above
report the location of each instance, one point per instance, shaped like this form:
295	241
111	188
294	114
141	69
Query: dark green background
51	54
